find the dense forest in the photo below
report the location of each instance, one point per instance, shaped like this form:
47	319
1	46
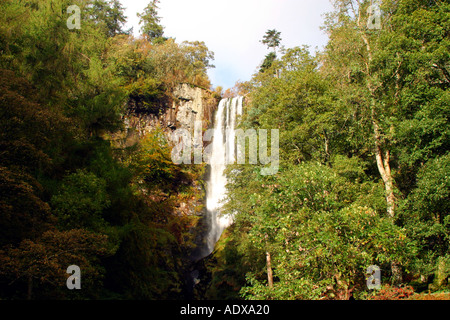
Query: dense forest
363	168
68	195
364	162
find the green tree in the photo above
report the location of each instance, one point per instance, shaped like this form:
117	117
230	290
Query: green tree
318	229
42	263
63	94
80	201
151	27
268	61
109	15
426	216
391	85
272	39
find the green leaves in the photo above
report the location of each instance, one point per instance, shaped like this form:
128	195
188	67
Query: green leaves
321	233
81	200
272	38
150	21
362	124
109	15
63	183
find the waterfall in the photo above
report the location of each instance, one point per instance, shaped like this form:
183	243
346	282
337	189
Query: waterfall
222	152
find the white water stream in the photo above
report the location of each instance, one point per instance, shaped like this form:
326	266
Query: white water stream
223	152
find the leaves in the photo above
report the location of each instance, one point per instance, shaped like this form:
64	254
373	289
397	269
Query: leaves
150	21
362	123
69	196
45	260
272	38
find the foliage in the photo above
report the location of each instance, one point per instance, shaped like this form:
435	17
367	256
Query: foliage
393	293
68	195
427	219
363	160
321	236
268	61
109	15
272	38
80	201
43	262
150	21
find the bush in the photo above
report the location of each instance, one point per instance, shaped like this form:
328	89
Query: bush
388	292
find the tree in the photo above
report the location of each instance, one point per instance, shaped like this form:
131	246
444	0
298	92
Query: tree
109	15
316	227
349	109
31	141
350	23
63	93
173	63
391	85
268	61
198	60
426	215
272	39
379	81
151	27
80	201
304	110
43	262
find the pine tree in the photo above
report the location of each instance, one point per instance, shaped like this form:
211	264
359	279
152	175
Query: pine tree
151	27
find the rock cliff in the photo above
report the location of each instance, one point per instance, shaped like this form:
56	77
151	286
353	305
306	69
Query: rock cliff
186	105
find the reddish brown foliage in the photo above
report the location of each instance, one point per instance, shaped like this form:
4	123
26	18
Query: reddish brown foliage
393	293
431	296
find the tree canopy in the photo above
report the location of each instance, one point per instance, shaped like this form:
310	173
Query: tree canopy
363	169
70	196
363	144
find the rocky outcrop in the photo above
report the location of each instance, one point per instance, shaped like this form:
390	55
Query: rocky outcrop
179	110
187	105
190	106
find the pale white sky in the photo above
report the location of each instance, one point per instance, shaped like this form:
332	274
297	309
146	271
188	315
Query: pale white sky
232	29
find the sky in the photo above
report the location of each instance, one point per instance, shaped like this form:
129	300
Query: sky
232	29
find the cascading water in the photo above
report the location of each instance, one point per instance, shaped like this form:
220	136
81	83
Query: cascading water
222	152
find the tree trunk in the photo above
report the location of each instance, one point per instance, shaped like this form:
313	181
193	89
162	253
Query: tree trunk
397	274
384	168
382	158
269	269
327	148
